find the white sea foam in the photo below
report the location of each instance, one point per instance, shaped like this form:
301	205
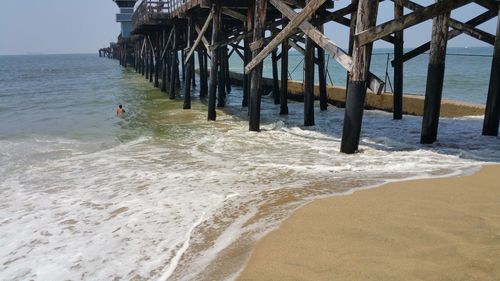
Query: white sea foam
77	210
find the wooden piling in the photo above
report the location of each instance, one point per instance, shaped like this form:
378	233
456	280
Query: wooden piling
164	74
202	71
227	78
188	68
120	56
164	63
247	54
143	52
157	54
256	75
435	78
361	56
309	83
274	62
398	64
216	10
205	69
221	78
284	77
183	66
151	61
492	112
323	99
193	75
173	65
136	57
178	73
124	56
146	60
352	32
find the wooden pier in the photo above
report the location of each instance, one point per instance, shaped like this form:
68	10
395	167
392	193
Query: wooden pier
167	37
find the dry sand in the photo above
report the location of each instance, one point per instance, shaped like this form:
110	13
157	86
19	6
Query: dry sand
435	229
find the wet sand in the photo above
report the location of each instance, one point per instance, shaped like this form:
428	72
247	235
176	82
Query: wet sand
433	229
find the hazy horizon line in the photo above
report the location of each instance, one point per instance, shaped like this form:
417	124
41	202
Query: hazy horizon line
97	51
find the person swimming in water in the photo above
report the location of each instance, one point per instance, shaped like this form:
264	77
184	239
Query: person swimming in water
120	111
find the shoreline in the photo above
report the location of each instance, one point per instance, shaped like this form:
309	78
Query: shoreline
308	246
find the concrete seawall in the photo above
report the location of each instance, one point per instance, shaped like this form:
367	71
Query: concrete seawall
412	104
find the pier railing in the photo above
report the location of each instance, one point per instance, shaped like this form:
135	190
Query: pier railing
150	10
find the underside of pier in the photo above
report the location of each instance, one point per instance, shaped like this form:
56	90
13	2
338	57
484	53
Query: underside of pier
167	37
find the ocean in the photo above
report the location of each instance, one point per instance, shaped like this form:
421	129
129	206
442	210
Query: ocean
468	84
164	194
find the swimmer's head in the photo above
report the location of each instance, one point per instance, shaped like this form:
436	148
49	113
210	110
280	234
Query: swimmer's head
120	106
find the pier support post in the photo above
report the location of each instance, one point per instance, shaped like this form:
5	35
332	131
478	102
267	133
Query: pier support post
141	63
164	63
221	78
284	77
276	87
247	55
142	58
202	70
146	59
120	55
173	65
309	83
189	65
227	77
398	64
157	60
216	10
355	100
164	74
183	66
323	103
136	51
492	113
352	32
177	74
151	64
173	75
137	55
256	75
125	56
435	78
193	72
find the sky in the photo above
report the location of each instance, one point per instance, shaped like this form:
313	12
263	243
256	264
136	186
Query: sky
71	26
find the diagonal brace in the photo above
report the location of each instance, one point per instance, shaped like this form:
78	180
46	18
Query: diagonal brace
308	10
375	84
203	39
482	18
198	39
377	32
168	43
462	27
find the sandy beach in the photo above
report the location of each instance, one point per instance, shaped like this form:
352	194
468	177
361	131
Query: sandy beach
432	229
